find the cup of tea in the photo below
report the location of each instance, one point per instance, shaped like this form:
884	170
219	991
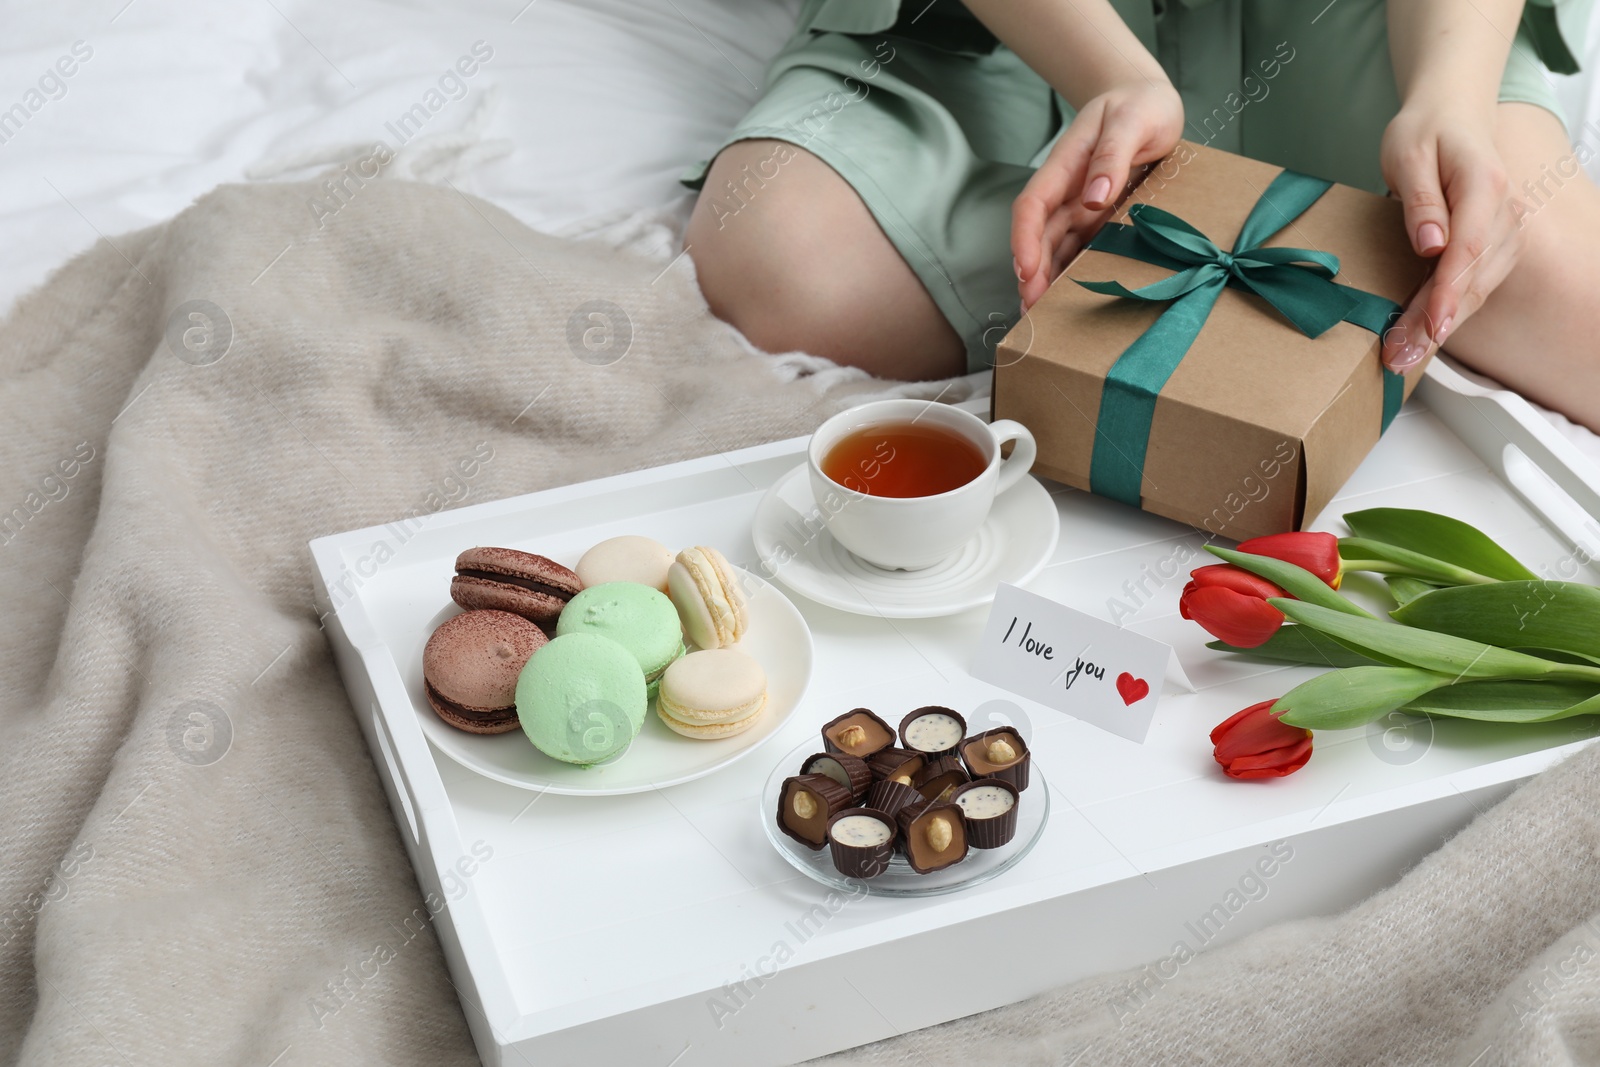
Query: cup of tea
903	484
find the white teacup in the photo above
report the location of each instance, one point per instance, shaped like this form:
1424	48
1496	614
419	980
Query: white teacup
909	533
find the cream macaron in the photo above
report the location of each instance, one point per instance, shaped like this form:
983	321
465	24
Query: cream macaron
702	586
628	558
711	694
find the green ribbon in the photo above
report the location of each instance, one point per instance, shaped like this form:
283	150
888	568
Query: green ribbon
1298	282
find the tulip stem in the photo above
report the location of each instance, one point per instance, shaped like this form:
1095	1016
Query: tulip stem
1575	672
1396	560
1379	566
1383	566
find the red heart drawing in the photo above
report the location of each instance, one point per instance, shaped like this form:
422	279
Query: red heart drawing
1132	689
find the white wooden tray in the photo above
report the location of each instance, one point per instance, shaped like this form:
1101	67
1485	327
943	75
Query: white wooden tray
662	928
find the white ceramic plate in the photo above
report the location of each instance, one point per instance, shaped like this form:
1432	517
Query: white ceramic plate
1015	542
899	880
779	640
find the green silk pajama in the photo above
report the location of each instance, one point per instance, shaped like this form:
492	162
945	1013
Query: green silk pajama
937	126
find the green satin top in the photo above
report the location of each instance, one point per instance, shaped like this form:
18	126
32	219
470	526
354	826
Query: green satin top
1556	28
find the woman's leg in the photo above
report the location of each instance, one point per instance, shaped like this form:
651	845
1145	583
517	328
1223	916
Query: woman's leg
1539	331
796	261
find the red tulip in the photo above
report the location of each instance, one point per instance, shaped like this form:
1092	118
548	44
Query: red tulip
1255	744
1230	603
1315	552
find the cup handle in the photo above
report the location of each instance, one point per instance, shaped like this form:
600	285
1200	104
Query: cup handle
1013	467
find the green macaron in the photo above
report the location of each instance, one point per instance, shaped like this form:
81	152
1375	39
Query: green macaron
641	619
581	698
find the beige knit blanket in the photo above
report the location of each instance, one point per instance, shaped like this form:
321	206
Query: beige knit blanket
196	851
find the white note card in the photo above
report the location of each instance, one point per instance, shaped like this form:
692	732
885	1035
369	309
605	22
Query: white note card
1085	667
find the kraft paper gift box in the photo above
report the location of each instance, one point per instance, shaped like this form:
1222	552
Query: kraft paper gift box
1239	392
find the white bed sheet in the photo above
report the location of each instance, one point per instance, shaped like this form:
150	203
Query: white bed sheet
597	106
603	102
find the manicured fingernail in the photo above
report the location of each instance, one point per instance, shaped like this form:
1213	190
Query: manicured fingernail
1408	357
1016	267
1444	329
1022	308
1430	237
1098	190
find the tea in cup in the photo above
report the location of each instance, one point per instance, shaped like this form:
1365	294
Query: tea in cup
911	480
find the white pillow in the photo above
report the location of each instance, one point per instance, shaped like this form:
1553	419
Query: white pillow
602	103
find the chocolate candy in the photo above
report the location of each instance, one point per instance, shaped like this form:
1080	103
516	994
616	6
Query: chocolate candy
933	836
890	796
862	841
937	765
848	771
936	786
933	796
895	763
932	729
989	806
805	805
857	733
999	753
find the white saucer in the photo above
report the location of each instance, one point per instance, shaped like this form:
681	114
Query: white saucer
1014	543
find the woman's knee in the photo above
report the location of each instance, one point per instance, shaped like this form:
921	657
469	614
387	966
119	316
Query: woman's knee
787	253
1535	331
755	268
769	248
1557	208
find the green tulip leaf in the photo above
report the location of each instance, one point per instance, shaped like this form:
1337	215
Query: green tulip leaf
1294	580
1376	655
1369	653
1361	554
1439	537
1404	589
1301	644
1510	701
1355	696
1454	656
1538	614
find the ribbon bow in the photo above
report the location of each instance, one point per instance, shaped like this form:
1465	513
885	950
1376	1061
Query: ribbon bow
1298	282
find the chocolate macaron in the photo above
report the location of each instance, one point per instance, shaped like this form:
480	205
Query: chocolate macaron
470	667
505	579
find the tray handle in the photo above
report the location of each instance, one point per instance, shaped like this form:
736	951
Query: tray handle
1546	470
1546	496
397	774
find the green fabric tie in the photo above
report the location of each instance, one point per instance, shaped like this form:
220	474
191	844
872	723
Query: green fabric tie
1298	282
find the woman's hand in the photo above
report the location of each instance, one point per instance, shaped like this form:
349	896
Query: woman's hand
1442	163
1077	186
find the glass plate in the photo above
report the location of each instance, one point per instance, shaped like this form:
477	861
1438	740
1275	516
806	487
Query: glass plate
981	864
